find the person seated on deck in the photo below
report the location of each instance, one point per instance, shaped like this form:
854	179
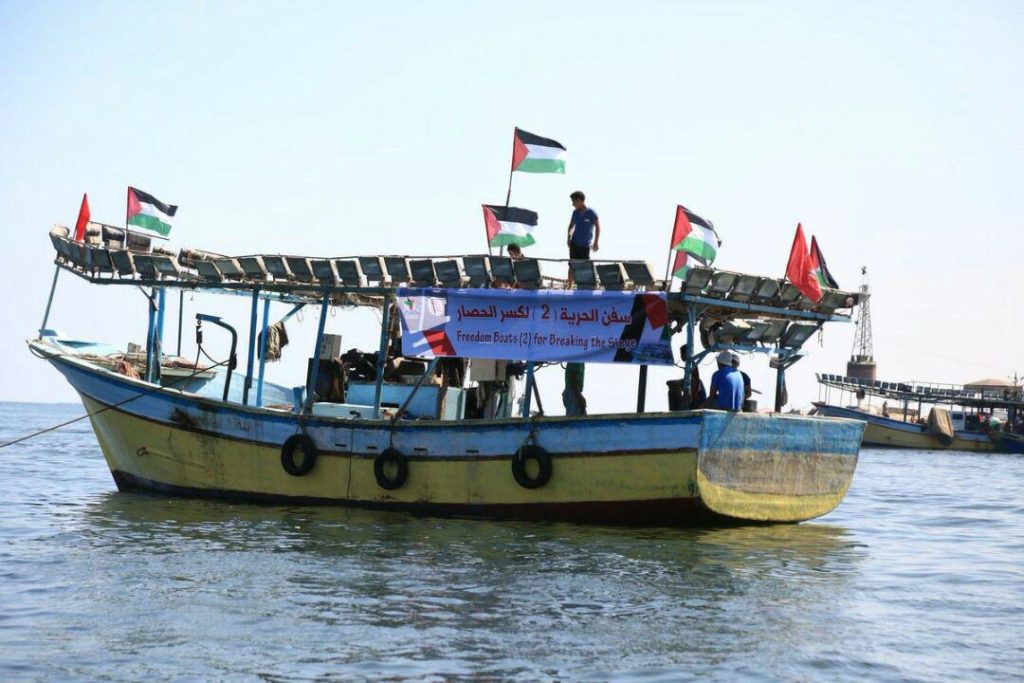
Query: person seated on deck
677	400
515	252
572	396
698	394
726	385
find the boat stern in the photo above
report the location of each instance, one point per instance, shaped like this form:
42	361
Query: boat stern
775	468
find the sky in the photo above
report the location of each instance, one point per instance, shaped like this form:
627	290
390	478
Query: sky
892	131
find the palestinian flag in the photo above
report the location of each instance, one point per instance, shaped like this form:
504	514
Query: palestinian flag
819	268
534	154
149	213
509	225
683	262
695	235
798	268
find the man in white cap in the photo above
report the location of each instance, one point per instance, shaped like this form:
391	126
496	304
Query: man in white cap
726	384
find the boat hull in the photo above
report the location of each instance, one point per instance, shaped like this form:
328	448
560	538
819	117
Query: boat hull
663	468
883	432
1008	443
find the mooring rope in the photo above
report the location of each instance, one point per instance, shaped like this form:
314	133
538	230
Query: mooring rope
104	408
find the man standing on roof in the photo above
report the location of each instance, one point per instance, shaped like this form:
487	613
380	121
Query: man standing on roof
584	231
726	385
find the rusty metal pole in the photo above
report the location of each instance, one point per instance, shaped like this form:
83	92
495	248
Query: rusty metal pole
780	382
382	354
691	321
641	392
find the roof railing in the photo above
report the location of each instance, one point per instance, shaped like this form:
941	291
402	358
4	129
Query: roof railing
137	261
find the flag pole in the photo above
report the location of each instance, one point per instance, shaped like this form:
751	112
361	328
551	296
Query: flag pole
785	276
511	170
671	255
668	270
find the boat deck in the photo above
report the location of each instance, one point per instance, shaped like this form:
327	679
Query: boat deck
925	392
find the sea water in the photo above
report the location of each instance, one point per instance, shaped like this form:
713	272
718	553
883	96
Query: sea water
917	576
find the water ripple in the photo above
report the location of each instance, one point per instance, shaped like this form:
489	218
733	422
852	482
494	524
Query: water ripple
917	576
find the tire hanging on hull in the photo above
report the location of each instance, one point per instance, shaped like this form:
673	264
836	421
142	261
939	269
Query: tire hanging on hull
309	455
543	460
394	458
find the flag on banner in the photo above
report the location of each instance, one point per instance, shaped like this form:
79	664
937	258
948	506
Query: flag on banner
534	154
83	219
695	235
509	225
798	269
149	213
819	268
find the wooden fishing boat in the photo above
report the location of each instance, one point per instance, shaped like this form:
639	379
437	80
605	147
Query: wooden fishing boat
412	445
924	415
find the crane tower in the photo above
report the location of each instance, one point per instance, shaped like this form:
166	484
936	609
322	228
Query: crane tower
862	359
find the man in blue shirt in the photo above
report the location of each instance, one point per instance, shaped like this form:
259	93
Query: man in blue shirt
584	231
726	385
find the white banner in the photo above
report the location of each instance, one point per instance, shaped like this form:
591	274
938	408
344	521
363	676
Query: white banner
527	325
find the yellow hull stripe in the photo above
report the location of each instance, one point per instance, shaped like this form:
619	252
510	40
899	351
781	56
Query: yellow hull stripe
179	458
765	506
879	435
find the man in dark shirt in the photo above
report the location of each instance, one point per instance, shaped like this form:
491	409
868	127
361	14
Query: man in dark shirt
584	231
572	396
677	400
748	390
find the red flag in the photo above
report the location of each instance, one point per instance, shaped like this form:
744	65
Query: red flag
83	219
798	269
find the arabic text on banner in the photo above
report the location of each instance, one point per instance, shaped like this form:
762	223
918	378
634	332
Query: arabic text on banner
527	325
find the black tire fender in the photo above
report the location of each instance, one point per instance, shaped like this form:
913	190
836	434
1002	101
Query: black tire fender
391	456
543	459
298	442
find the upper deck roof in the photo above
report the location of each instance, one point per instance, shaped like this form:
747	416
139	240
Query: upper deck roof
972	395
110	257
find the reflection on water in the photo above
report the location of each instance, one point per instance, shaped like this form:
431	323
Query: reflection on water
102	585
465	593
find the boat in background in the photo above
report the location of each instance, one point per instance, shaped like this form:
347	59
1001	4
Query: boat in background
1008	442
969	417
398	430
